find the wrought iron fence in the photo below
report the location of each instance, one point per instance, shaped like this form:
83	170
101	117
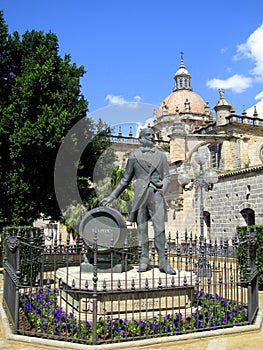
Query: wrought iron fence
51	293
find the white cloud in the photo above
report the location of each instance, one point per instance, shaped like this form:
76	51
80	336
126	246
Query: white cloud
120	100
259	96
253	49
137	98
237	83
259	105
115	100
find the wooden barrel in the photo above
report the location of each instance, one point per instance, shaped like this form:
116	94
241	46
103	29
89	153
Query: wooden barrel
107	225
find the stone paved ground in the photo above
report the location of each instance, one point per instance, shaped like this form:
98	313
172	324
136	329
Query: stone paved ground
239	341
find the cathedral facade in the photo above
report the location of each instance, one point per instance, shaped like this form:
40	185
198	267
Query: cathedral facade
231	145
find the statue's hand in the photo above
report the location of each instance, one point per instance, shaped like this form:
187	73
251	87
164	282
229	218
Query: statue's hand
106	200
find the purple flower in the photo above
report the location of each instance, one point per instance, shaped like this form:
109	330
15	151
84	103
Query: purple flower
223	319
117	329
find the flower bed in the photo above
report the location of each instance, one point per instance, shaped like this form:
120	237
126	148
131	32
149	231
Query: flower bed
45	317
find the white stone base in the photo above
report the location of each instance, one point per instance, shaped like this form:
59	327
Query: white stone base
126	295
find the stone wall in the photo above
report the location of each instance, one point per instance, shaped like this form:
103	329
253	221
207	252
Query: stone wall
232	194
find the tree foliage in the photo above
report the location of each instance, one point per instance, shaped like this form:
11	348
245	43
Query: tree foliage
40	100
106	185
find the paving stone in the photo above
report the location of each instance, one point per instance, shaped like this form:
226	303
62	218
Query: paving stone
217	344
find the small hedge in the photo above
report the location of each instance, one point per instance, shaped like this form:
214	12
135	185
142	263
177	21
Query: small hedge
254	254
30	246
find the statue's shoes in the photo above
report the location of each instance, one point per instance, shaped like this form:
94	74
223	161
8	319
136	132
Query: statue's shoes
167	269
143	267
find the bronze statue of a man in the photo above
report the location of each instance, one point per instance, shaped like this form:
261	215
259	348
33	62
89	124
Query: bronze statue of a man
149	166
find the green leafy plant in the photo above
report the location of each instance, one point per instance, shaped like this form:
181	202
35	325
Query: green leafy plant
256	252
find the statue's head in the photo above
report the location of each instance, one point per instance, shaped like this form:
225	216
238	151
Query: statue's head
147	137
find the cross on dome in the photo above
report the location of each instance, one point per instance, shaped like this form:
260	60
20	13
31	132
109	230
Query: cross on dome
182	60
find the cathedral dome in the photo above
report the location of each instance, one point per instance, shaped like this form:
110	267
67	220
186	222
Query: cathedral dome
183	99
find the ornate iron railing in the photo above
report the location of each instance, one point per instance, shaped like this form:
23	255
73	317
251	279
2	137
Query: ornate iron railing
57	298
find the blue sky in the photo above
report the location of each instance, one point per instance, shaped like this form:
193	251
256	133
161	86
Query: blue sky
131	49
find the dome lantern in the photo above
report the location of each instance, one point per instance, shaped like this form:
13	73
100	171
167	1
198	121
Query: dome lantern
182	77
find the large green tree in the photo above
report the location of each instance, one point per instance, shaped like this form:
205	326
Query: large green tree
40	100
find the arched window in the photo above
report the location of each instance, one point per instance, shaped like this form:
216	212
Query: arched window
249	216
181	82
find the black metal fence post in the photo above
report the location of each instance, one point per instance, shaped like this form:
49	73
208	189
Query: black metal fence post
18	274
95	280
252	276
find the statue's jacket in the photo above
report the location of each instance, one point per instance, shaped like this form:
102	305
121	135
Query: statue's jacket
149	171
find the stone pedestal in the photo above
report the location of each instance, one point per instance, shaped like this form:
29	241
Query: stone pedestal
125	295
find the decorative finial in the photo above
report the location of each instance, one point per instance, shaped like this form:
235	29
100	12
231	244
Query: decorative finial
222	94
244	112
255	114
164	107
207	111
182	60
187	107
